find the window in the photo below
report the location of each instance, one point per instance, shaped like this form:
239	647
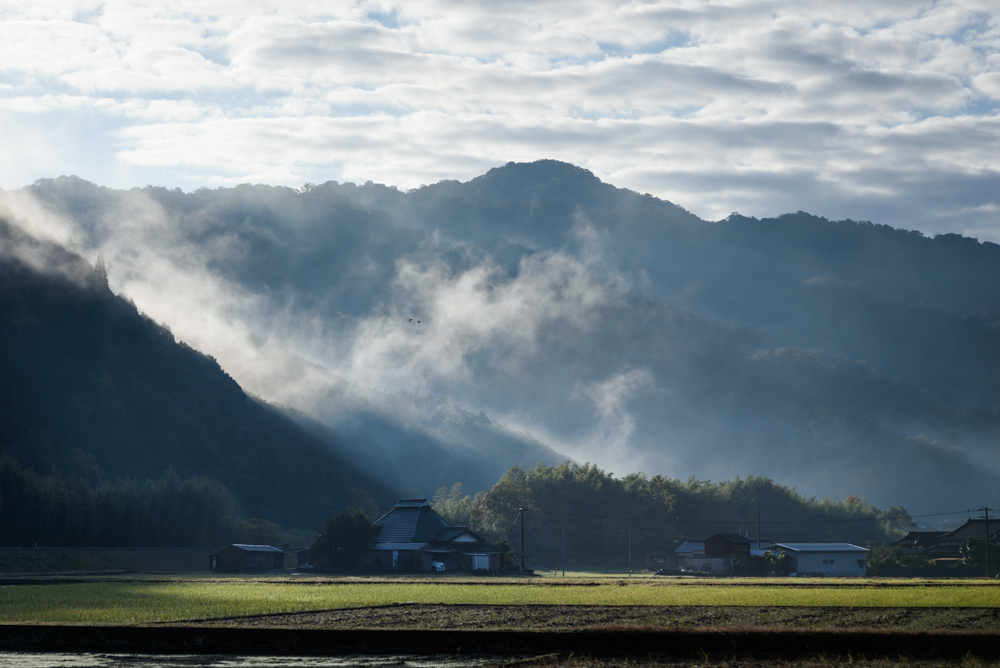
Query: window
828	561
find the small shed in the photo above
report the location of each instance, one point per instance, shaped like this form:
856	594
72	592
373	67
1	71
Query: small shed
657	559
247	558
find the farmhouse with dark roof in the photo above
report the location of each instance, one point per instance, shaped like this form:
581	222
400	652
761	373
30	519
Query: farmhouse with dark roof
415	538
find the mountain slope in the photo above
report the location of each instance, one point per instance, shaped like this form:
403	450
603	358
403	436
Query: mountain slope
85	379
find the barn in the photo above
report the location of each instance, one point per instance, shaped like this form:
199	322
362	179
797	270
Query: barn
247	558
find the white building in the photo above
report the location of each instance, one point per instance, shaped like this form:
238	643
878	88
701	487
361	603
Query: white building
830	559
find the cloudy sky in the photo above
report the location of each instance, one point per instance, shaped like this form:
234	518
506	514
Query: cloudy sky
884	111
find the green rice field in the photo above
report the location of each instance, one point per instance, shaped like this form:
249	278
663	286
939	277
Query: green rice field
137	601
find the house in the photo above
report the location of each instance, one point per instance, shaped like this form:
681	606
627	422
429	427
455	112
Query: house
829	559
247	558
918	541
946	549
414	537
973	528
727	545
719	553
691	557
732	548
691	547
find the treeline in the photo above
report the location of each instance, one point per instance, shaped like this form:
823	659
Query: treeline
594	518
73	510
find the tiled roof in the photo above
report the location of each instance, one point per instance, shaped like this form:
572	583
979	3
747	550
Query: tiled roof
466	548
256	548
451	533
732	538
819	547
971	529
691	545
401	547
409	521
918	538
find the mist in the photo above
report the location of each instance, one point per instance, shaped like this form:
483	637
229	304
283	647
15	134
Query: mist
537	313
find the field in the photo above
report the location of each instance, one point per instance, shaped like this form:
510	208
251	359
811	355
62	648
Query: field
582	621
142	601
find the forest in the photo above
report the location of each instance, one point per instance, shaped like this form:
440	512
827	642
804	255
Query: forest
595	518
70	510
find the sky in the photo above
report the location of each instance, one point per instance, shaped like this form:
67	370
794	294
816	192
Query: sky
885	111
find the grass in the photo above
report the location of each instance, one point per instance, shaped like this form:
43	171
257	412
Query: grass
136	601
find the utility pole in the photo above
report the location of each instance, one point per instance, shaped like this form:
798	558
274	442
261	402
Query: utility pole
521	516
630	550
986	515
758	525
564	551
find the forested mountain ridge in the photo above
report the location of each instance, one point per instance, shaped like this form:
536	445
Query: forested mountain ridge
100	392
841	357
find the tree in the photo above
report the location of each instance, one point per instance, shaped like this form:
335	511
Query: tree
777	562
258	531
342	545
974	556
453	505
99	276
895	562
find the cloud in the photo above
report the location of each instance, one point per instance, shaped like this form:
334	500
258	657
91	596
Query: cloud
724	96
479	311
616	424
477	319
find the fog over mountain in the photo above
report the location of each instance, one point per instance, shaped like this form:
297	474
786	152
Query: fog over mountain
536	313
103	401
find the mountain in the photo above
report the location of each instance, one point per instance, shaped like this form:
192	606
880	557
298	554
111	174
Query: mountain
559	314
88	383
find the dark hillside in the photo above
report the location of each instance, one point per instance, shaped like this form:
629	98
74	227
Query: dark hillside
313	257
86	379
